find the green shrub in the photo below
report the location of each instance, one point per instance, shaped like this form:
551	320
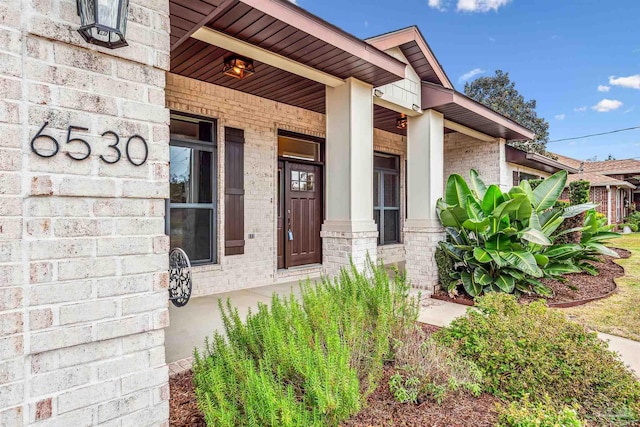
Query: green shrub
634	218
308	361
579	192
445	268
527	414
503	242
633	227
533	183
528	349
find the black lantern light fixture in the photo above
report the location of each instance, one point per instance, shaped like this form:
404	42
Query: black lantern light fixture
401	122
104	22
238	67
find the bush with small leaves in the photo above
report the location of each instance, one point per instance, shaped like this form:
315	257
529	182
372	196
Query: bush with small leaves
529	349
527	414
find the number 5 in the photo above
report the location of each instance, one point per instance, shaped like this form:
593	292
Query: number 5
69	140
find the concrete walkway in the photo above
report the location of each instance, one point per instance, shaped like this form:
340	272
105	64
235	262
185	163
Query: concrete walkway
189	325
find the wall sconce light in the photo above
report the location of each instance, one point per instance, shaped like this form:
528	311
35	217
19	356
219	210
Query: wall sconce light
103	22
378	93
401	122
238	67
415	107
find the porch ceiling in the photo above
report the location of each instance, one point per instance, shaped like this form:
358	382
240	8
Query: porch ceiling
385	119
277	26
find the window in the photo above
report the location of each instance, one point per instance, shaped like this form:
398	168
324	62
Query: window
192	179
386	197
518	177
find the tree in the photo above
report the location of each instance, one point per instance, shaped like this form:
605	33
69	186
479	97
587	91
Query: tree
610	157
499	93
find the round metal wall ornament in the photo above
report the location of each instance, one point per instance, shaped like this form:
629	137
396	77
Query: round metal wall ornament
179	277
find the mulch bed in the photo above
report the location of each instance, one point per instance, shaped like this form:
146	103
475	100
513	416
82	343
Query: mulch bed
580	289
381	411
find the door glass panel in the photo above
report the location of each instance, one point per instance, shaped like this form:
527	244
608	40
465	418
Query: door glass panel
376	218
298	149
376	189
191	231
391	226
391	190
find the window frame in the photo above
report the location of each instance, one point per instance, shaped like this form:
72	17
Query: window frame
381	208
201	145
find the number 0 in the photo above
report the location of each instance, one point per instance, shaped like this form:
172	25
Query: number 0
146	150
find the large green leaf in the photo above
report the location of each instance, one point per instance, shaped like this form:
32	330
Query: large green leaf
512	205
481	255
474	211
523	261
574	210
476	226
534	236
456	191
526	187
547	193
601	249
495	256
601	236
469	285
452	251
561	252
481	276
477	185
498	242
560	268
453	216
523	214
492	199
542	260
505	282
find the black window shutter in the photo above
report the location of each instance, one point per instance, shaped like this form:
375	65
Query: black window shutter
233	191
516	178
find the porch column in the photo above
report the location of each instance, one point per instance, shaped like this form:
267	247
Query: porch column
425	184
349	231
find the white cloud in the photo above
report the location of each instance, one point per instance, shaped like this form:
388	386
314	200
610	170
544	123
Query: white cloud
603	88
470	74
437	4
480	5
580	109
607	105
468	5
560	116
632	82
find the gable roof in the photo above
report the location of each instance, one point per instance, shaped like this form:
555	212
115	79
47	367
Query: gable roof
569	161
611	167
599	180
415	48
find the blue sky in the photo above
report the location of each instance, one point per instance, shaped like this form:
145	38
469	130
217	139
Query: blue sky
580	59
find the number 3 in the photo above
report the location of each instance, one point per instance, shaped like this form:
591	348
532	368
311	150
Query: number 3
114	146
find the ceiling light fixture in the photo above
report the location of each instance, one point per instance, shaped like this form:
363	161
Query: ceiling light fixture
238	67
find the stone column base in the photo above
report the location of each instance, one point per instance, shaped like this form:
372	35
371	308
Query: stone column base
420	246
339	248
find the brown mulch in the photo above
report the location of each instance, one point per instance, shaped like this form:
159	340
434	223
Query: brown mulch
382	410
582	286
183	409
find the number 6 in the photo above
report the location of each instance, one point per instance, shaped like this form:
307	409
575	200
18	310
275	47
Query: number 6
38	135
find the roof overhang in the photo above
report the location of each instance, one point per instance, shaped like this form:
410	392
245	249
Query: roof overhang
459	108
284	29
535	161
415	48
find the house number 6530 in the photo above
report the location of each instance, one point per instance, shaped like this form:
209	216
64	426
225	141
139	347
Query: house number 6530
114	146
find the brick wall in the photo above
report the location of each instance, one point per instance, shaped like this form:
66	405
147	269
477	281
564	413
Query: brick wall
83	256
463	153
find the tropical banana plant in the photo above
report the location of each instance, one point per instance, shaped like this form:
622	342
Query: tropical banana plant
503	241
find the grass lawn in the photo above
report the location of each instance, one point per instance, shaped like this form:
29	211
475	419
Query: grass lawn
620	313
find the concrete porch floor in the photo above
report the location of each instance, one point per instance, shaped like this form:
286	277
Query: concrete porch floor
189	325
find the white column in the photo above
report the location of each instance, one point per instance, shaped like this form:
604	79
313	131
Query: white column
425	184
349	231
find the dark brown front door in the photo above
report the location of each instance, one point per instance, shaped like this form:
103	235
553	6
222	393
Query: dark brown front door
301	217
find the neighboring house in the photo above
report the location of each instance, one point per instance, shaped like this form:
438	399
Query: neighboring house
614	185
326	148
